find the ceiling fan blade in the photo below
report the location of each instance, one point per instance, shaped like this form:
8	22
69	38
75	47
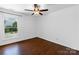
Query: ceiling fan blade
44	10
32	13
28	10
40	13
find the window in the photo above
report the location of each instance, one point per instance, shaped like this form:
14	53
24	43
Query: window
10	26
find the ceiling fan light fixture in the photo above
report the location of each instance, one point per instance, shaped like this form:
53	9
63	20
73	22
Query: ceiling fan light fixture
36	11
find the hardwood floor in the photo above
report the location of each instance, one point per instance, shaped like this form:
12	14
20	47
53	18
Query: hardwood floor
36	46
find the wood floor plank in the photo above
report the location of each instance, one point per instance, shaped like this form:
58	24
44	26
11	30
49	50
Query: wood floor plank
36	46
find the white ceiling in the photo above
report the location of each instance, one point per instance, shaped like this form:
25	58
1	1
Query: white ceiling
56	7
21	7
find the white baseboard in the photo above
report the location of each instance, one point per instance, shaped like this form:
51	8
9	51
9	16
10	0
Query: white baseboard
59	43
9	41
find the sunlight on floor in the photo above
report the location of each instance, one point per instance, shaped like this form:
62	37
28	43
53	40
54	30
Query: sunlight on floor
12	50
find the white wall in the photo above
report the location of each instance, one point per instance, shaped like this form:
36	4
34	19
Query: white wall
61	27
26	28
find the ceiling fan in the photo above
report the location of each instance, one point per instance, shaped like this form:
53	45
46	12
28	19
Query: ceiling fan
37	10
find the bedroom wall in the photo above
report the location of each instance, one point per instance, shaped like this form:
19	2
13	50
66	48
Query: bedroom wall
26	28
61	27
